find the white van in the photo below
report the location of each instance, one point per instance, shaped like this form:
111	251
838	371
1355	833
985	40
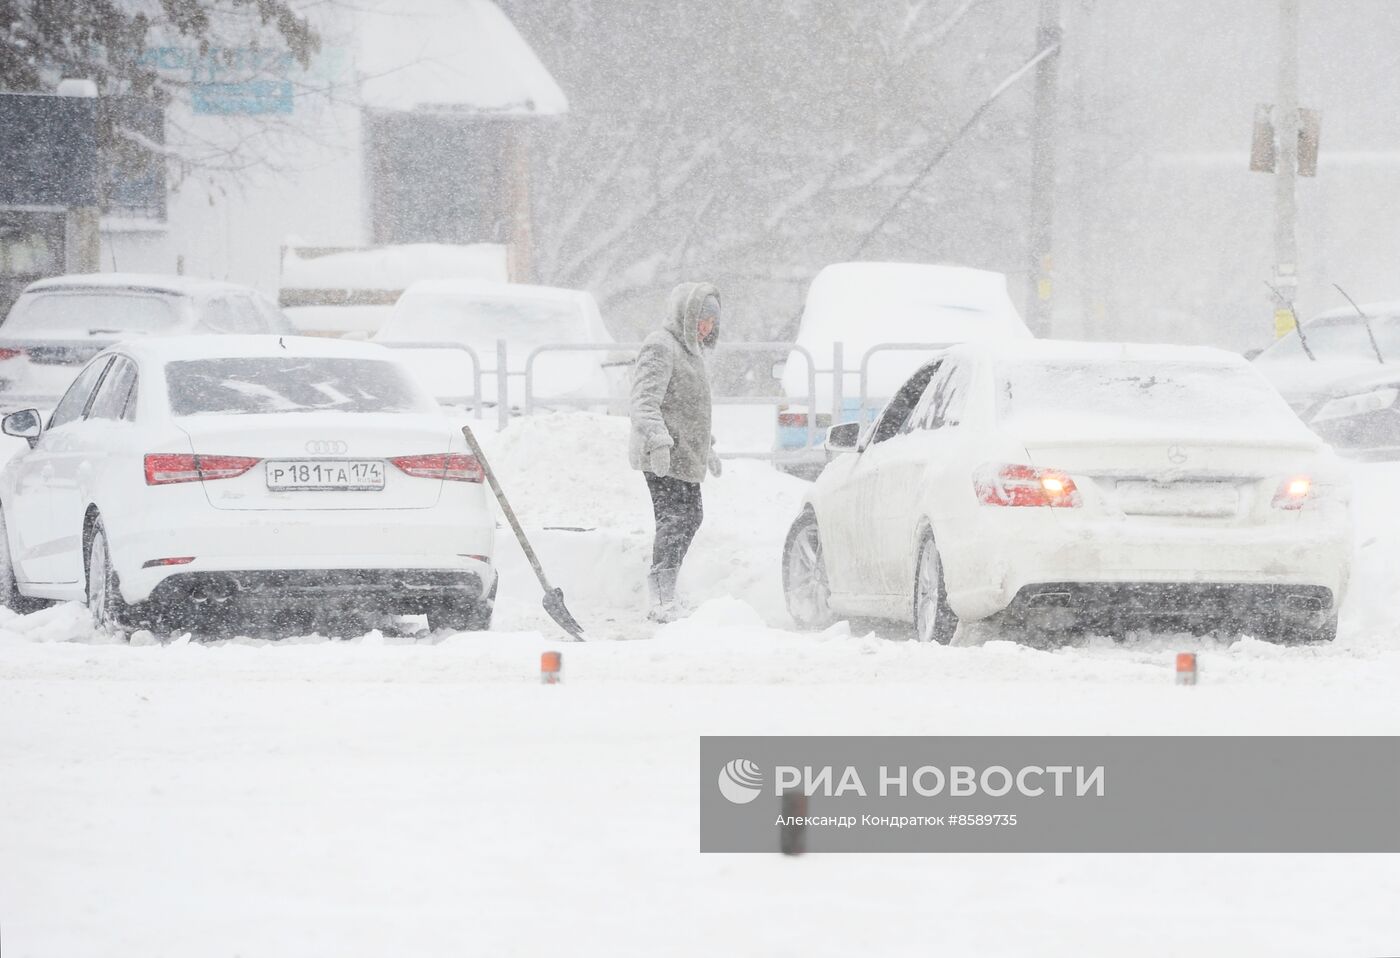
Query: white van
865	305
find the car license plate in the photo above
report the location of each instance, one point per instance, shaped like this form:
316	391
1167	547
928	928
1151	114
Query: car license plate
1203	499
338	474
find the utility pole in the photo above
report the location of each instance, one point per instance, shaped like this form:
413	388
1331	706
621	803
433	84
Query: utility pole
1286	152
1038	276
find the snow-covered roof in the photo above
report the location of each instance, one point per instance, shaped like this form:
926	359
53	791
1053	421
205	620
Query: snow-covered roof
174	285
451	55
163	349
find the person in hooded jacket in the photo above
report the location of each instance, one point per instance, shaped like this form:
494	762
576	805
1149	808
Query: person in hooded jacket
671	440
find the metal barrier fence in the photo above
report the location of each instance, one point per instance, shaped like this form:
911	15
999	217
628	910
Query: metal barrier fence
476	400
887	348
472	400
720	400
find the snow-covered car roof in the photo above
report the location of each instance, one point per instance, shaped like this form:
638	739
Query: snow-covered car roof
576	309
223	346
1388	309
482	287
1030	350
145	282
910	302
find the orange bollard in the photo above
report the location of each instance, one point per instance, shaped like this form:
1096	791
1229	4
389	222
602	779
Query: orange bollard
1186	668
551	667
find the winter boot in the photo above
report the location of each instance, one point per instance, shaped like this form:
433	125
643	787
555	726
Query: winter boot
661	585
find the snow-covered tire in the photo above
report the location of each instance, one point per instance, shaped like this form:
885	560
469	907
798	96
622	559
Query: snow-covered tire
934	620
110	613
806	588
10	596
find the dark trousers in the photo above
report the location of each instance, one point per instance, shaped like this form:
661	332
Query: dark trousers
676	505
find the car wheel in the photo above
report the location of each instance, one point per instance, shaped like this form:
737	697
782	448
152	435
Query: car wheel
934	620
805	585
104	597
10	596
464	615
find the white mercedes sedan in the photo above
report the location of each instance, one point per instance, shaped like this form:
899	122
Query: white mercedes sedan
185	479
1078	486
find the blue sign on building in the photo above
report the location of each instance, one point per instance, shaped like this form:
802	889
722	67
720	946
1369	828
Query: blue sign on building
251	97
231	81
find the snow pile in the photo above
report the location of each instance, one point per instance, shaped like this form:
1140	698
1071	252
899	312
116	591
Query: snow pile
589	516
1371	612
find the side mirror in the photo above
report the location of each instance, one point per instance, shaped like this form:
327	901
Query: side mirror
779	368
843	437
24	424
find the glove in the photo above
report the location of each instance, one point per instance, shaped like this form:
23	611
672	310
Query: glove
659	461
716	467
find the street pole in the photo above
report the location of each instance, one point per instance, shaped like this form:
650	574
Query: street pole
1038	276
1286	152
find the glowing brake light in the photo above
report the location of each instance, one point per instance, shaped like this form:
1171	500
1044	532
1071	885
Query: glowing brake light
166	468
1293	492
454	466
1020	485
9	352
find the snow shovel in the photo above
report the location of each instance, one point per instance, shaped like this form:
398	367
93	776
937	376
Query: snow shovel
553	598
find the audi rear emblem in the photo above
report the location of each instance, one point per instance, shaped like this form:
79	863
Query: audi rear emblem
1176	455
327	447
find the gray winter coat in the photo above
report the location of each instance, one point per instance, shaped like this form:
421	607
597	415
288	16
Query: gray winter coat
670	390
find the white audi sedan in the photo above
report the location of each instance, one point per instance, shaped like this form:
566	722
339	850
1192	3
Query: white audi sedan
1075	485
188	478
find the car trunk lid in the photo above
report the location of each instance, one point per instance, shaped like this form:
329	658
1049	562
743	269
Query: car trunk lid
321	460
1176	474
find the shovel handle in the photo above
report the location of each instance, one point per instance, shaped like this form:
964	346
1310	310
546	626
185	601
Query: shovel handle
505	507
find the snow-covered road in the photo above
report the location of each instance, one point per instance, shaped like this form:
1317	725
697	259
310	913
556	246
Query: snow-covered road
425	795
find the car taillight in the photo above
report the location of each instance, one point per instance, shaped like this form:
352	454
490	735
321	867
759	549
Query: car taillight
1020	485
798	419
1293	492
165	468
7	352
455	466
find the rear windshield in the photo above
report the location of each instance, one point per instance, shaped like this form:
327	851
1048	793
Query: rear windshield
102	315
291	384
1137	391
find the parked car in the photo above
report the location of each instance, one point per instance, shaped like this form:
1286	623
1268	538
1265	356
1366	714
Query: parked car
1337	384
181	479
476	314
864	305
59	324
1071	485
